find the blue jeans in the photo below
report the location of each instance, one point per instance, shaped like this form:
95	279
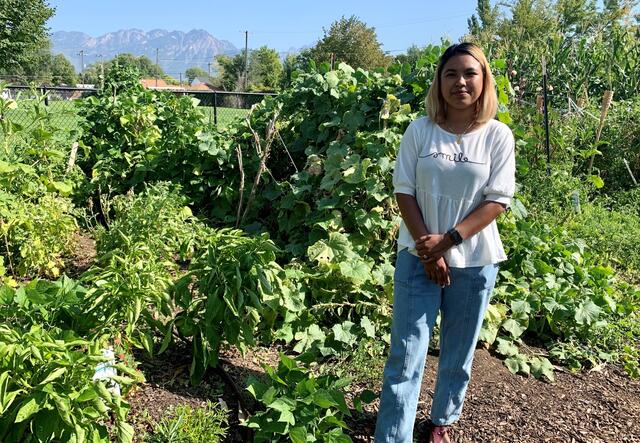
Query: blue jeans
416	303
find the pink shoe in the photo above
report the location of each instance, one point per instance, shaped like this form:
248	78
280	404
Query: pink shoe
439	434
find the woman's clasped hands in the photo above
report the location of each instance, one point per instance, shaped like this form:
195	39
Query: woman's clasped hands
430	249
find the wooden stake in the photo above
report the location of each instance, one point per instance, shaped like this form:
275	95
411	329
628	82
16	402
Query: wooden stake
604	109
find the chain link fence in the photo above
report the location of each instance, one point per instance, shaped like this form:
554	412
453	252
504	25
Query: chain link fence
60	103
219	107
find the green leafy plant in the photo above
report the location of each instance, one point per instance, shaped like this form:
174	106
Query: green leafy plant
36	236
134	135
298	406
129	290
47	391
612	235
37	224
233	287
184	424
552	288
37	154
159	217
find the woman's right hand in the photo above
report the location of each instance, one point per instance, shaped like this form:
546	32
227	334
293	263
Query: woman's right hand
438	272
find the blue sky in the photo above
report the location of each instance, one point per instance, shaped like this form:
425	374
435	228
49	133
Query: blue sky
279	24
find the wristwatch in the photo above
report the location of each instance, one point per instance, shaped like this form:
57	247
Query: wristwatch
455	236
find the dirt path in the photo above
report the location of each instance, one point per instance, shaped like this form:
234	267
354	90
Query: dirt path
500	407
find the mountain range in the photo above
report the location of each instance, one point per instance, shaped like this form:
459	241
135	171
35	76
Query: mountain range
176	50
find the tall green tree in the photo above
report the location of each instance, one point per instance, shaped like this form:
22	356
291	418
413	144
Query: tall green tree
230	71
265	69
195	71
23	31
143	63
486	18
62	71
350	40
290	64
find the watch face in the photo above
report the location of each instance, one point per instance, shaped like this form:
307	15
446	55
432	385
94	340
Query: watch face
455	236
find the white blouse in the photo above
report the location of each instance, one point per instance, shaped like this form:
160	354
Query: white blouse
449	180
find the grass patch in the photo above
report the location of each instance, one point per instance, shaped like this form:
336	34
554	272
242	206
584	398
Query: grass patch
364	365
225	115
612	235
64	113
185	424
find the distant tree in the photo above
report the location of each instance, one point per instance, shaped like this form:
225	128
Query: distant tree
230	72
23	32
265	69
486	18
350	40
194	72
419	57
92	73
411	57
576	16
62	71
145	66
35	69
142	64
290	64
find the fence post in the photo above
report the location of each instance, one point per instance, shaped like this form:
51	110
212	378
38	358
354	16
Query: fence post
215	108
43	90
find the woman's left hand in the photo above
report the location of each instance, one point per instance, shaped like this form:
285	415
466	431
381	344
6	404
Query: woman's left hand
432	246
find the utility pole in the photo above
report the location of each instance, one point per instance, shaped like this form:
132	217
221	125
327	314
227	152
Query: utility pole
101	72
209	69
157	66
81	54
181	79
246	57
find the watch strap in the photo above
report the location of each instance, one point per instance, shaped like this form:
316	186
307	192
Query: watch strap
455	236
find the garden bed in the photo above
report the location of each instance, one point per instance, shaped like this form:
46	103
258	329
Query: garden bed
594	406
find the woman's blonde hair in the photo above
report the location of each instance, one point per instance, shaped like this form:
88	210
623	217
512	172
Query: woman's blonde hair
487	104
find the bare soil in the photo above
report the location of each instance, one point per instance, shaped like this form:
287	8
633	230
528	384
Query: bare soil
84	255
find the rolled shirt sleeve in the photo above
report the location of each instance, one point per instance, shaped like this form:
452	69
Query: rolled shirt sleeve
502	176
404	174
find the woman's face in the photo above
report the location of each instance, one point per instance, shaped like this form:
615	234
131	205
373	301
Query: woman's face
461	81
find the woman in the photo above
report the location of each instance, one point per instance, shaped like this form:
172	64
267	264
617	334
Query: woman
455	173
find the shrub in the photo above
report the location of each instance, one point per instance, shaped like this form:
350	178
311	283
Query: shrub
35	235
233	287
133	135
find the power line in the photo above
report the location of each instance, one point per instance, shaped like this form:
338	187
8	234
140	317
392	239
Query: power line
426	20
390	25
